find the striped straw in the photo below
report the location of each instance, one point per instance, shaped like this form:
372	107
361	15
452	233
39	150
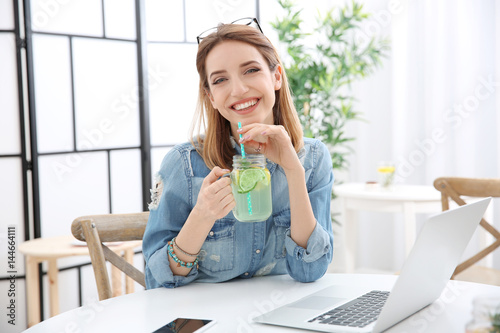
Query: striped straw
241	144
249	198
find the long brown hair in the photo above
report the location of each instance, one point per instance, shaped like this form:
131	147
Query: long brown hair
215	146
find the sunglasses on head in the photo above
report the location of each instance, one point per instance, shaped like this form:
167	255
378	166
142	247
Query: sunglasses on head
242	21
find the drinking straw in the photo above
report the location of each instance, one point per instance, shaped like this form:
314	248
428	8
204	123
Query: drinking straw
249	198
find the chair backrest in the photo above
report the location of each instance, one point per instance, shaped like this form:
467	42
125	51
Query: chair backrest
455	188
99	229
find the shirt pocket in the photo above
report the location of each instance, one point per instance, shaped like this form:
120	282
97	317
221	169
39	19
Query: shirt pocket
281	225
217	253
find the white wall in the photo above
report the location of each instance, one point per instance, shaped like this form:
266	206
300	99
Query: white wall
432	82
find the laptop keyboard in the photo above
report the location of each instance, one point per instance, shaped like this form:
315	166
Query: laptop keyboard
357	313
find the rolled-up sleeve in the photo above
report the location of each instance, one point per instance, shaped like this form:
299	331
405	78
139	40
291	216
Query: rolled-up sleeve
170	207
310	263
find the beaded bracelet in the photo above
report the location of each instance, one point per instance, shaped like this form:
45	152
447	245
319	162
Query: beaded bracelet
182	251
179	262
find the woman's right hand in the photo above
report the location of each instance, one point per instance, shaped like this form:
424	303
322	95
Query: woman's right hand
215	199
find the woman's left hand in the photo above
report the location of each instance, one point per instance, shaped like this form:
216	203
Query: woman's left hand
274	143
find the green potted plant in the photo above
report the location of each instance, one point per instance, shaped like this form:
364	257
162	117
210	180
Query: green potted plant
495	323
320	75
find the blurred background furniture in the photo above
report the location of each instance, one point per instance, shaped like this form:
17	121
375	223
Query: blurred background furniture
97	230
406	199
50	249
456	188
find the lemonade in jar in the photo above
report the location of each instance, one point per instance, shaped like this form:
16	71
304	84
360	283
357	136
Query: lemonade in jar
386	172
251	185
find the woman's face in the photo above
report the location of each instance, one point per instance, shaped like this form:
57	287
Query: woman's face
241	84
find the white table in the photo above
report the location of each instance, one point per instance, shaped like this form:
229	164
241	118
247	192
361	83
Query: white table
233	305
406	199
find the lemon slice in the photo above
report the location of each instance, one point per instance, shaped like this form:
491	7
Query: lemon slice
249	178
387	169
267	179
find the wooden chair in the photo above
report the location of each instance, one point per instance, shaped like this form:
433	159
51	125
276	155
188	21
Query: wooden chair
454	188
97	230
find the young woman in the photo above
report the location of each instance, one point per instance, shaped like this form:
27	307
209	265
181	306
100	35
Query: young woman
192	233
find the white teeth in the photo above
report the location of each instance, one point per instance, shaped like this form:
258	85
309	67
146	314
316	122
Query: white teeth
245	105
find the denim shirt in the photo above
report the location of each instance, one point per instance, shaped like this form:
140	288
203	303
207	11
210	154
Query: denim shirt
239	249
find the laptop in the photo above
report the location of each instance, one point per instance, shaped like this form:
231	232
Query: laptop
425	273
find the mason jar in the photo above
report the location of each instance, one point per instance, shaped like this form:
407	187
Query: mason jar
251	185
485	315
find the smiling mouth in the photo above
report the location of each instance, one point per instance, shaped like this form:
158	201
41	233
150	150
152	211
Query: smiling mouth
246	105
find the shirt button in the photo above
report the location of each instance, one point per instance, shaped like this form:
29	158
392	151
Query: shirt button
246	274
211	233
258	251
